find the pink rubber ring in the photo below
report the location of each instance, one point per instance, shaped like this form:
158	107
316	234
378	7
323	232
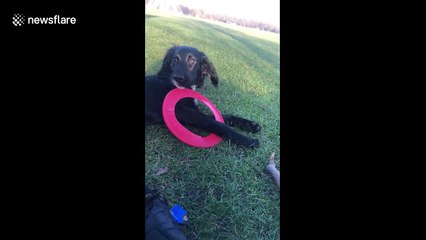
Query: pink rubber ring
180	131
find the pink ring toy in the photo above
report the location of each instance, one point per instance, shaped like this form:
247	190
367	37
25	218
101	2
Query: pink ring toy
180	131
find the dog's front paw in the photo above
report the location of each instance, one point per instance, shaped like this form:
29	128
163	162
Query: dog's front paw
255	143
255	127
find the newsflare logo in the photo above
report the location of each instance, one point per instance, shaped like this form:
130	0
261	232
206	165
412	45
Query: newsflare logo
19	19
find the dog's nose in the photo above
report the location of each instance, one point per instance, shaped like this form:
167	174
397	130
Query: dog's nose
178	78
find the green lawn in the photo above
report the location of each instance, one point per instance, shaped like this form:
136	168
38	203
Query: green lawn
223	188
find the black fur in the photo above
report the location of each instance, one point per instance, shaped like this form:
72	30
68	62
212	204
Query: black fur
186	67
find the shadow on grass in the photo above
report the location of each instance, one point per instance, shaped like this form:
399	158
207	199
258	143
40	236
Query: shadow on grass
147	16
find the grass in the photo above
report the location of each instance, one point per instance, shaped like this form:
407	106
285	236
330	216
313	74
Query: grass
223	188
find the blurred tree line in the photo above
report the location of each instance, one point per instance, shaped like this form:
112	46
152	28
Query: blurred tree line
225	19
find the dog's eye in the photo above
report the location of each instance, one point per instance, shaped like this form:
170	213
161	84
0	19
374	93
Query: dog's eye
175	60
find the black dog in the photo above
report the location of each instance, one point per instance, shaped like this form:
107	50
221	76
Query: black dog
186	67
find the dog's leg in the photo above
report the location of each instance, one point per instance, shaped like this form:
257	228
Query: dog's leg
241	123
201	121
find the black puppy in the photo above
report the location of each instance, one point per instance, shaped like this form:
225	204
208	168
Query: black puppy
186	67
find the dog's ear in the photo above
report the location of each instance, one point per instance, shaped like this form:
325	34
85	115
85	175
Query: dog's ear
208	68
166	68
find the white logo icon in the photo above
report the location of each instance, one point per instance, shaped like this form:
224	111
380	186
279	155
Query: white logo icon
18	19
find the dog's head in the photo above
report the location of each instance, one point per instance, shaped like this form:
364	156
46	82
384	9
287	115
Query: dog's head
187	67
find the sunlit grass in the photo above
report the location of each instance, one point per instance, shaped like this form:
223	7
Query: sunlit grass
223	188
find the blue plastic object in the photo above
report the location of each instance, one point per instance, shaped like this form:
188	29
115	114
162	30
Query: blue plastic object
179	214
